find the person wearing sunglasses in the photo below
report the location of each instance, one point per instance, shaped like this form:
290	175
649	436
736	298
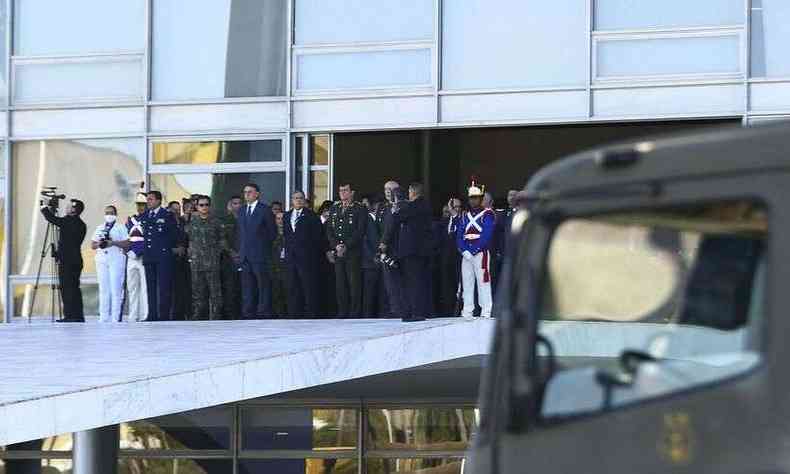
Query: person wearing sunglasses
207	241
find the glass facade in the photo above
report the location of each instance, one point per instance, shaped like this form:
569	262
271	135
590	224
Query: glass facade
210	153
283	439
770	34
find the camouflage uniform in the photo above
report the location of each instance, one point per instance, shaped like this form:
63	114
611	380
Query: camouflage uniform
206	243
231	277
277	269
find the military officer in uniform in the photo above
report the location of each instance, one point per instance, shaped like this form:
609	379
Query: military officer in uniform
393	283
206	243
136	290
345	232
160	232
474	233
230	264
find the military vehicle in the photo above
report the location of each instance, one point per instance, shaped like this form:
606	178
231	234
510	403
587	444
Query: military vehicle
641	324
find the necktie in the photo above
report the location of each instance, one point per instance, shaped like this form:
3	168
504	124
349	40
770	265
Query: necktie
249	209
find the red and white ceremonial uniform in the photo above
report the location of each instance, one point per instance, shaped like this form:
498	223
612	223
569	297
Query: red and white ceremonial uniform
473	237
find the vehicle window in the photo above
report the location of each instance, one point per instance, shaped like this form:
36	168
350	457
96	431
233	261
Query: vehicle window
645	303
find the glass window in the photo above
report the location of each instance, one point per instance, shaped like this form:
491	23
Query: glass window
298	163
770	35
61	442
484	48
89	79
367	69
695	272
299	429
44	466
298	466
319	187
208	153
3	52
320	150
174	466
42	307
668	56
219	186
362	21
433	428
415	466
43	27
115	167
196	430
635	14
221	48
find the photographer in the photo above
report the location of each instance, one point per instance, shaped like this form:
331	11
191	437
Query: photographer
72	233
109	241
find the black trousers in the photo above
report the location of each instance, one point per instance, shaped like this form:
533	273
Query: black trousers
450	271
417	287
302	289
182	290
372	298
393	283
231	288
159	285
69	273
256	289
348	285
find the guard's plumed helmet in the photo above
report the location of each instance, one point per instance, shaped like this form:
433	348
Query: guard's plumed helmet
475	190
140	198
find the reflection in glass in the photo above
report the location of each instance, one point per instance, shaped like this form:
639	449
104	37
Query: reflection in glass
668	56
236	49
367	69
298	466
421	428
319	153
769	35
43	466
61	442
174	466
298	163
319	187
209	153
415	466
219	186
98	172
197	430
299	428
23	298
636	14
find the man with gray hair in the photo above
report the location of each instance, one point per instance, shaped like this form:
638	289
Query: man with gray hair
387	246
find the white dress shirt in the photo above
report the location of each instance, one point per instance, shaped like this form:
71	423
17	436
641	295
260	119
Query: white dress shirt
295	215
251	207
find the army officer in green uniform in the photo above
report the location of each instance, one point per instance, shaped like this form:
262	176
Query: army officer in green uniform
206	243
345	232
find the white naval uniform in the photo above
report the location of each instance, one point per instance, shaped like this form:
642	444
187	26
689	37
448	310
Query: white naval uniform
136	287
110	266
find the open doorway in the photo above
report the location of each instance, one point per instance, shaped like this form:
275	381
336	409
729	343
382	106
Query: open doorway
500	158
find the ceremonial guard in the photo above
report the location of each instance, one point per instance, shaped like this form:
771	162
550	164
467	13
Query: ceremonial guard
160	232
473	237
206	244
135	271
345	232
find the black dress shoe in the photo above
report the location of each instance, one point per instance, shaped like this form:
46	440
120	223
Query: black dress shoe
70	320
413	319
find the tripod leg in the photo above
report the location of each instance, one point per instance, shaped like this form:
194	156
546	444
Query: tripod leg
44	248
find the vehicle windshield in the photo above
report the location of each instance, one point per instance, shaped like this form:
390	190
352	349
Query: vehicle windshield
639	304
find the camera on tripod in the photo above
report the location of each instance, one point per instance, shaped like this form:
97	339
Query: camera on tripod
53	198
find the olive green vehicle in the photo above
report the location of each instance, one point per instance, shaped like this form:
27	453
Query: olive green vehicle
643	318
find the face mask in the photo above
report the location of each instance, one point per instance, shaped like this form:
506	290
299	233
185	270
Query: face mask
109	218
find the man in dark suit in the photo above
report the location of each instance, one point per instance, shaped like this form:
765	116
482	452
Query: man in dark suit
413	222
257	231
372	288
161	233
72	233
303	252
449	260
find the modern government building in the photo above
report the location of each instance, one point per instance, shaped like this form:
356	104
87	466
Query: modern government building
202	96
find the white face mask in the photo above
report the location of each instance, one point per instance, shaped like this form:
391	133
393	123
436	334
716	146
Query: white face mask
109	218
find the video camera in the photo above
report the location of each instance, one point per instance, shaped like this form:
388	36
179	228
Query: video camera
53	198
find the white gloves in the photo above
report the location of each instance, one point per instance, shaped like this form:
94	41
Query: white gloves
467	255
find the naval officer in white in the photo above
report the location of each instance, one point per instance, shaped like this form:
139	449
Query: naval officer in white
109	241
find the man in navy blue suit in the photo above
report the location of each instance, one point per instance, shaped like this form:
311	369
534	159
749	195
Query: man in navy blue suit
303	252
161	231
257	231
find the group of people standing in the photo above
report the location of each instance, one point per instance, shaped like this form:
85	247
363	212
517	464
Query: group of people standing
384	256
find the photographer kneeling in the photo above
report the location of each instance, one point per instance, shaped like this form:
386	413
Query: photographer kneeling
72	233
109	241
